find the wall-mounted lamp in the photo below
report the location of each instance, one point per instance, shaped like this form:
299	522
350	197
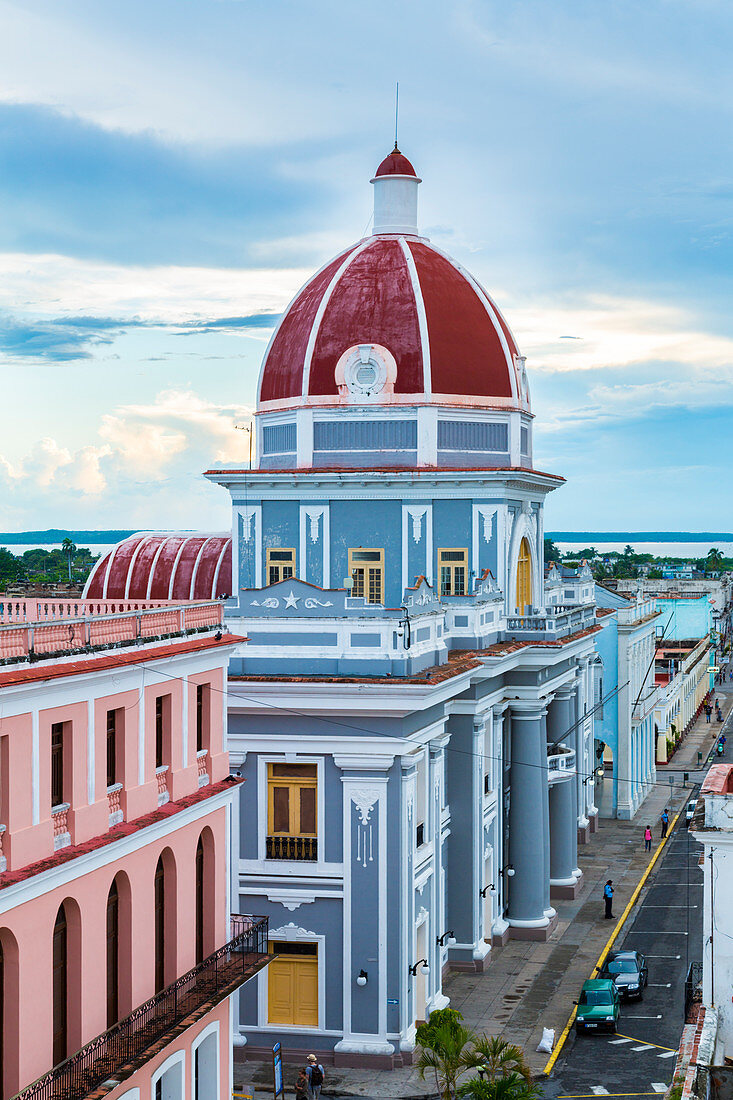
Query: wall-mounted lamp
363	978
509	871
424	967
490	889
447	936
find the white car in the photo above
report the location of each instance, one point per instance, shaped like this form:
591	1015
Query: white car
689	811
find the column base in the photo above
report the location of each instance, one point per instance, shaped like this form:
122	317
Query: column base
539	931
475	965
500	933
583	830
593	820
355	1053
566	888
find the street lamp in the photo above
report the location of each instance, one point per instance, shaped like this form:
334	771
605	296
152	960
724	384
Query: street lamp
424	967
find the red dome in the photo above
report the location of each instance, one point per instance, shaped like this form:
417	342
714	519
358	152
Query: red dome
395	165
164	567
449	340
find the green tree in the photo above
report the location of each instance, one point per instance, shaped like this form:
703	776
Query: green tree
655	574
502	1058
551	551
511	1087
714	560
450	1054
11	567
628	551
68	548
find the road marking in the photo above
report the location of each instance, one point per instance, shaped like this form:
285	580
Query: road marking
643	1017
612	939
645	1046
659	985
663	956
667	1054
617	1042
657	1045
646	905
598	1090
659	1086
656	931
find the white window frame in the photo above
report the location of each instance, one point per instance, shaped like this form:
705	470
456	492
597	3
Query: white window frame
211	1029
296	935
282	866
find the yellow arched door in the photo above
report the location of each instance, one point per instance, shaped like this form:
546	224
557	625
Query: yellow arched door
524	579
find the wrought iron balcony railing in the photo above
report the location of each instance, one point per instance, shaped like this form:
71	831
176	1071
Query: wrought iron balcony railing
121	1050
291	847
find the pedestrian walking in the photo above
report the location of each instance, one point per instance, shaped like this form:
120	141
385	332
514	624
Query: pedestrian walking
665	822
314	1073
648	839
608	898
301	1085
708	712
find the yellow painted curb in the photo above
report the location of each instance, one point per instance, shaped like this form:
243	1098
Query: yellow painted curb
609	944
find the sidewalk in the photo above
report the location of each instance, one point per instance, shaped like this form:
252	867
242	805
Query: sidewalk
528	985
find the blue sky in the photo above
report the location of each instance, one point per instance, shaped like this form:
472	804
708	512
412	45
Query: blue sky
172	172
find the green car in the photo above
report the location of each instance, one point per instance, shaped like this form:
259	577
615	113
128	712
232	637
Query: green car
598	1006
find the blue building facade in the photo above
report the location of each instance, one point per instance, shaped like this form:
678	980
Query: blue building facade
413	716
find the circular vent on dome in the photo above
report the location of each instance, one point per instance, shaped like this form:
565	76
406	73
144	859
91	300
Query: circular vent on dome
365	370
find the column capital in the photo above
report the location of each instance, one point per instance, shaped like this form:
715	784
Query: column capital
527	710
362	762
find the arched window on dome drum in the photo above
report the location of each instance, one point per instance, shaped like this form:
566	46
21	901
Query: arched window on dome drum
524	579
60	985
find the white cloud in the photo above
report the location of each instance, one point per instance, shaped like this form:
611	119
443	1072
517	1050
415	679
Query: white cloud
143	470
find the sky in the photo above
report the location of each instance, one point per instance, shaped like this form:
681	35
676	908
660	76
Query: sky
171	173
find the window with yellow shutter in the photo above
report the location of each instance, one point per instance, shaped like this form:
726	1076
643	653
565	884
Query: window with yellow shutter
280	565
366	569
453	571
292	792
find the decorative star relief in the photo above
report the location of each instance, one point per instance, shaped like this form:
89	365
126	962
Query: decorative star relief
291	600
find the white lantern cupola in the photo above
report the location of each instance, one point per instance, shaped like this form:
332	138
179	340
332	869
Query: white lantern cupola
395	195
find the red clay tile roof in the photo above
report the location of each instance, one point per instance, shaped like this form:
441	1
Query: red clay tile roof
126	828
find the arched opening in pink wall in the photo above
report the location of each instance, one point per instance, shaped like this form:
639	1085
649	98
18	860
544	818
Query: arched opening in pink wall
66	980
166	930
9	1015
205	904
121	884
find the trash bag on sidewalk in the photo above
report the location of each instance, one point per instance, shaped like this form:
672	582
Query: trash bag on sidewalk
547	1041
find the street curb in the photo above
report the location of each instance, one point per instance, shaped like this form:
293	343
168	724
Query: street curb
610	942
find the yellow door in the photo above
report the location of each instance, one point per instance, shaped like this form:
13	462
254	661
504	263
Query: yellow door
292	986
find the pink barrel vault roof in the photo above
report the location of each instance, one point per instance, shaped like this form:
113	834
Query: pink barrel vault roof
446	334
164	566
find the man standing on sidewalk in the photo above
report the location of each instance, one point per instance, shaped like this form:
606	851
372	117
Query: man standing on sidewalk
608	898
665	822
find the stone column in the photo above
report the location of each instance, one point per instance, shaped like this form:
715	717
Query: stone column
527	816
499	927
564	871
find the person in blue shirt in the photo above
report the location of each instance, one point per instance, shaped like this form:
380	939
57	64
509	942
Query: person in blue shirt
665	822
608	898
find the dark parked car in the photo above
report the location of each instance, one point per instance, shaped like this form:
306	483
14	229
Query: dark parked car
628	971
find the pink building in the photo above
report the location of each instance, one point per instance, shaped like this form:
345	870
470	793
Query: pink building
118	954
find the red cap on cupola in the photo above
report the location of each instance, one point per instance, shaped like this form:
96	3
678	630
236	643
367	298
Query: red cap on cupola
396	164
394	321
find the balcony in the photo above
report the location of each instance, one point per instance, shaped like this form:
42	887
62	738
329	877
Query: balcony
33	629
551	623
117	1053
291	847
560	762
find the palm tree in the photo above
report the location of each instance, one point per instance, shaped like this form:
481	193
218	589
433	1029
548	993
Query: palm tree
512	1087
714	561
449	1056
69	549
502	1058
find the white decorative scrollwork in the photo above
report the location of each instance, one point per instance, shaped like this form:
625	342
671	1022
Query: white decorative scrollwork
271	601
312	602
314	515
487	517
290	931
246	515
364	799
416	514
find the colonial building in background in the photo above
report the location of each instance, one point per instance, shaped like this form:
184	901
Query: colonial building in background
118	956
412	711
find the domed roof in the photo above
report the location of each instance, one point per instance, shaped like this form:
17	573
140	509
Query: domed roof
448	338
395	164
164	566
441	338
